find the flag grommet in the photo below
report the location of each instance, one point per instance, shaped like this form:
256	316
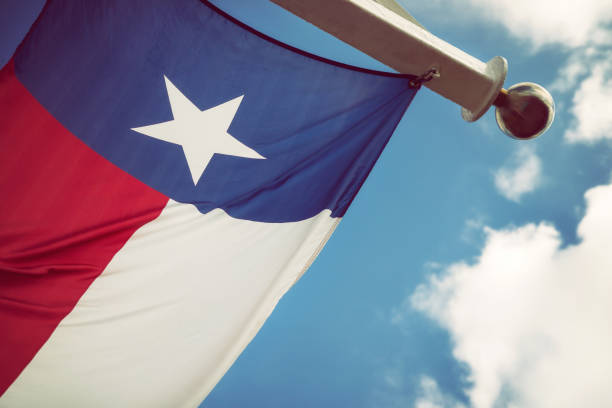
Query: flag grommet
426	77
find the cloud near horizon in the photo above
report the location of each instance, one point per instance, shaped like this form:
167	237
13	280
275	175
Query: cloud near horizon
530	317
430	396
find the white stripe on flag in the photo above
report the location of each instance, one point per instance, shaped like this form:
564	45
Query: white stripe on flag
171	312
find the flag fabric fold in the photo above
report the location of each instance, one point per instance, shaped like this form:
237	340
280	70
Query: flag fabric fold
166	174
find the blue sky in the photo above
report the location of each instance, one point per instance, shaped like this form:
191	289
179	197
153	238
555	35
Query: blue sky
470	271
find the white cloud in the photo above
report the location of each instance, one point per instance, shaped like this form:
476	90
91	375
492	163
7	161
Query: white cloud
472	231
521	175
390	392
584	29
431	265
574	69
541	22
533	320
592	106
430	396
549	21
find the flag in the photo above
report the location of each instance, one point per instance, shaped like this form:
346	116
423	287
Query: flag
166	174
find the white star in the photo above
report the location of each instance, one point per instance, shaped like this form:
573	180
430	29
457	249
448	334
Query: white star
200	133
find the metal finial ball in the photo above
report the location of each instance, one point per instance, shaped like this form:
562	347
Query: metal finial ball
525	111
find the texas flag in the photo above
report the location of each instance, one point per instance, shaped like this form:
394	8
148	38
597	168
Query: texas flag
166	174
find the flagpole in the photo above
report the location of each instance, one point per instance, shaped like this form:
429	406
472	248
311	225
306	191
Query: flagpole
408	48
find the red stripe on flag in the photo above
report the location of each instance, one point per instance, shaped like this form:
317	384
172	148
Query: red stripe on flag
64	212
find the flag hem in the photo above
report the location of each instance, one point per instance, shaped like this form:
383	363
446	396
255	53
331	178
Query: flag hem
302	52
